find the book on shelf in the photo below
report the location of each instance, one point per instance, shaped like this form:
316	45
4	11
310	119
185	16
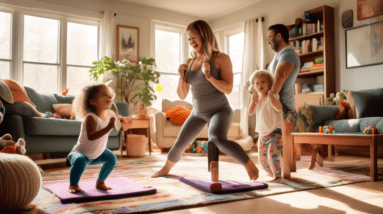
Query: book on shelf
310	69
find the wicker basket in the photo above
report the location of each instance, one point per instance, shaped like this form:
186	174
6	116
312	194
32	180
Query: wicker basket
136	144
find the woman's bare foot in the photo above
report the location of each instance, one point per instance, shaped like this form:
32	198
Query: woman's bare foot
74	188
252	170
165	170
101	185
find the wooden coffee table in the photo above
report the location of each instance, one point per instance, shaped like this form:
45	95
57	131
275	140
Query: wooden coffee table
348	139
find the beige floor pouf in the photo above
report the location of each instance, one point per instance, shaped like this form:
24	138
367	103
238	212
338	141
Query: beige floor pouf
20	181
135	145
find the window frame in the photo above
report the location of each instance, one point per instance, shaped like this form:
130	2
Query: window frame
17	41
226	33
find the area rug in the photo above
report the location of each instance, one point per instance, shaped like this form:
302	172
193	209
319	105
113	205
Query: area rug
173	194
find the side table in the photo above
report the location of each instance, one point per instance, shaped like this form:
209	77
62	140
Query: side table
140	123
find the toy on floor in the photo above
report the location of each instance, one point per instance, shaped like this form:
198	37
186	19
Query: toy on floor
122	187
370	130
7	145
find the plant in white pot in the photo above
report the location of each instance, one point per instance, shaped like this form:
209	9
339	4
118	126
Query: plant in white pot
127	74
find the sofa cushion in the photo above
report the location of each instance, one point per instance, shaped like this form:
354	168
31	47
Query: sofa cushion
346	125
43	102
368	104
22	109
52	126
372	121
323	113
5	92
351	101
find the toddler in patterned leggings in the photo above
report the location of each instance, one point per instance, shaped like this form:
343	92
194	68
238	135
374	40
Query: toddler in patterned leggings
269	119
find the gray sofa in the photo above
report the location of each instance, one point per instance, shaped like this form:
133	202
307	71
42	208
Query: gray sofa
366	107
50	135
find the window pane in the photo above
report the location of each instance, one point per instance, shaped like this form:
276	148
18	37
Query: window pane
77	78
167	51
5	35
234	97
41	36
4	70
82	44
169	84
236	43
42	78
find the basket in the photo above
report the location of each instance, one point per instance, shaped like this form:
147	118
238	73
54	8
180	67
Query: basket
135	145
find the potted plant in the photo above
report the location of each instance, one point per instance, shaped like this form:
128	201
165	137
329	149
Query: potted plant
127	74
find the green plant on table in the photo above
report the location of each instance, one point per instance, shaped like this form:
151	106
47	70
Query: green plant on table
127	74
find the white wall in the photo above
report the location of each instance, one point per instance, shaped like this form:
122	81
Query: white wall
286	11
127	14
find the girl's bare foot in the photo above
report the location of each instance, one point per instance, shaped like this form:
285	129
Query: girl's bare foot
101	185
165	170
74	188
252	170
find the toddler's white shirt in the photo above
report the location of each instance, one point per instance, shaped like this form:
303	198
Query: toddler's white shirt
93	149
267	118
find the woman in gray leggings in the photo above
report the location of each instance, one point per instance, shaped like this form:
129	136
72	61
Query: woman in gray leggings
210	75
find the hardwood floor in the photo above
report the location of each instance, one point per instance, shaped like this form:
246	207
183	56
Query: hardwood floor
364	197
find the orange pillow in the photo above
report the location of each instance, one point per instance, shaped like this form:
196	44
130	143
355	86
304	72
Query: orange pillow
178	114
18	92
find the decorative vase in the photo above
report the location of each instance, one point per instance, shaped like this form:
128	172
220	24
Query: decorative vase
141	112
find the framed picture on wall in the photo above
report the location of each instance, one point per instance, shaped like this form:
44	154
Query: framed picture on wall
127	43
364	45
369	8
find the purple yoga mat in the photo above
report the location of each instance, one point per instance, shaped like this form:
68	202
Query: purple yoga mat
121	188
226	186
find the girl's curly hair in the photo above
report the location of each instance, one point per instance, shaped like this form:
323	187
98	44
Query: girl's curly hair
260	73
81	104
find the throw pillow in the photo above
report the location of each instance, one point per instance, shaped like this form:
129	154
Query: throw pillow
321	114
368	104
63	109
178	114
18	92
5	92
22	109
64	99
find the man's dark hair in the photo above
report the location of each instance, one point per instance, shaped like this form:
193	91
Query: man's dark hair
282	29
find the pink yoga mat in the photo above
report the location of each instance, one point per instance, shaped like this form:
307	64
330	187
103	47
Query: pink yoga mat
225	186
121	188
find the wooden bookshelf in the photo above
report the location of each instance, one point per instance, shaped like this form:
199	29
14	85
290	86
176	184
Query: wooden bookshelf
313	35
311	73
325	76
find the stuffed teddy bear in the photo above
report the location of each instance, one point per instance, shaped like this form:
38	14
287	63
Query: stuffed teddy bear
9	146
344	108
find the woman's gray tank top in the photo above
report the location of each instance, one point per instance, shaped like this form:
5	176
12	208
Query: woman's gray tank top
206	98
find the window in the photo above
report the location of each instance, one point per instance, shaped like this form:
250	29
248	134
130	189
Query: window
170	50
56	51
235	43
5	44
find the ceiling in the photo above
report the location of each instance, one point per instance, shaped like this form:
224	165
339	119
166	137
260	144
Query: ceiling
203	9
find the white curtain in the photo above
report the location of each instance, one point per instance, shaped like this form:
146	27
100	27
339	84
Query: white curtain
106	35
253	59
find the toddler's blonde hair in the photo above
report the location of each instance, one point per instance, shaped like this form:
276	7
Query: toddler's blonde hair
260	73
